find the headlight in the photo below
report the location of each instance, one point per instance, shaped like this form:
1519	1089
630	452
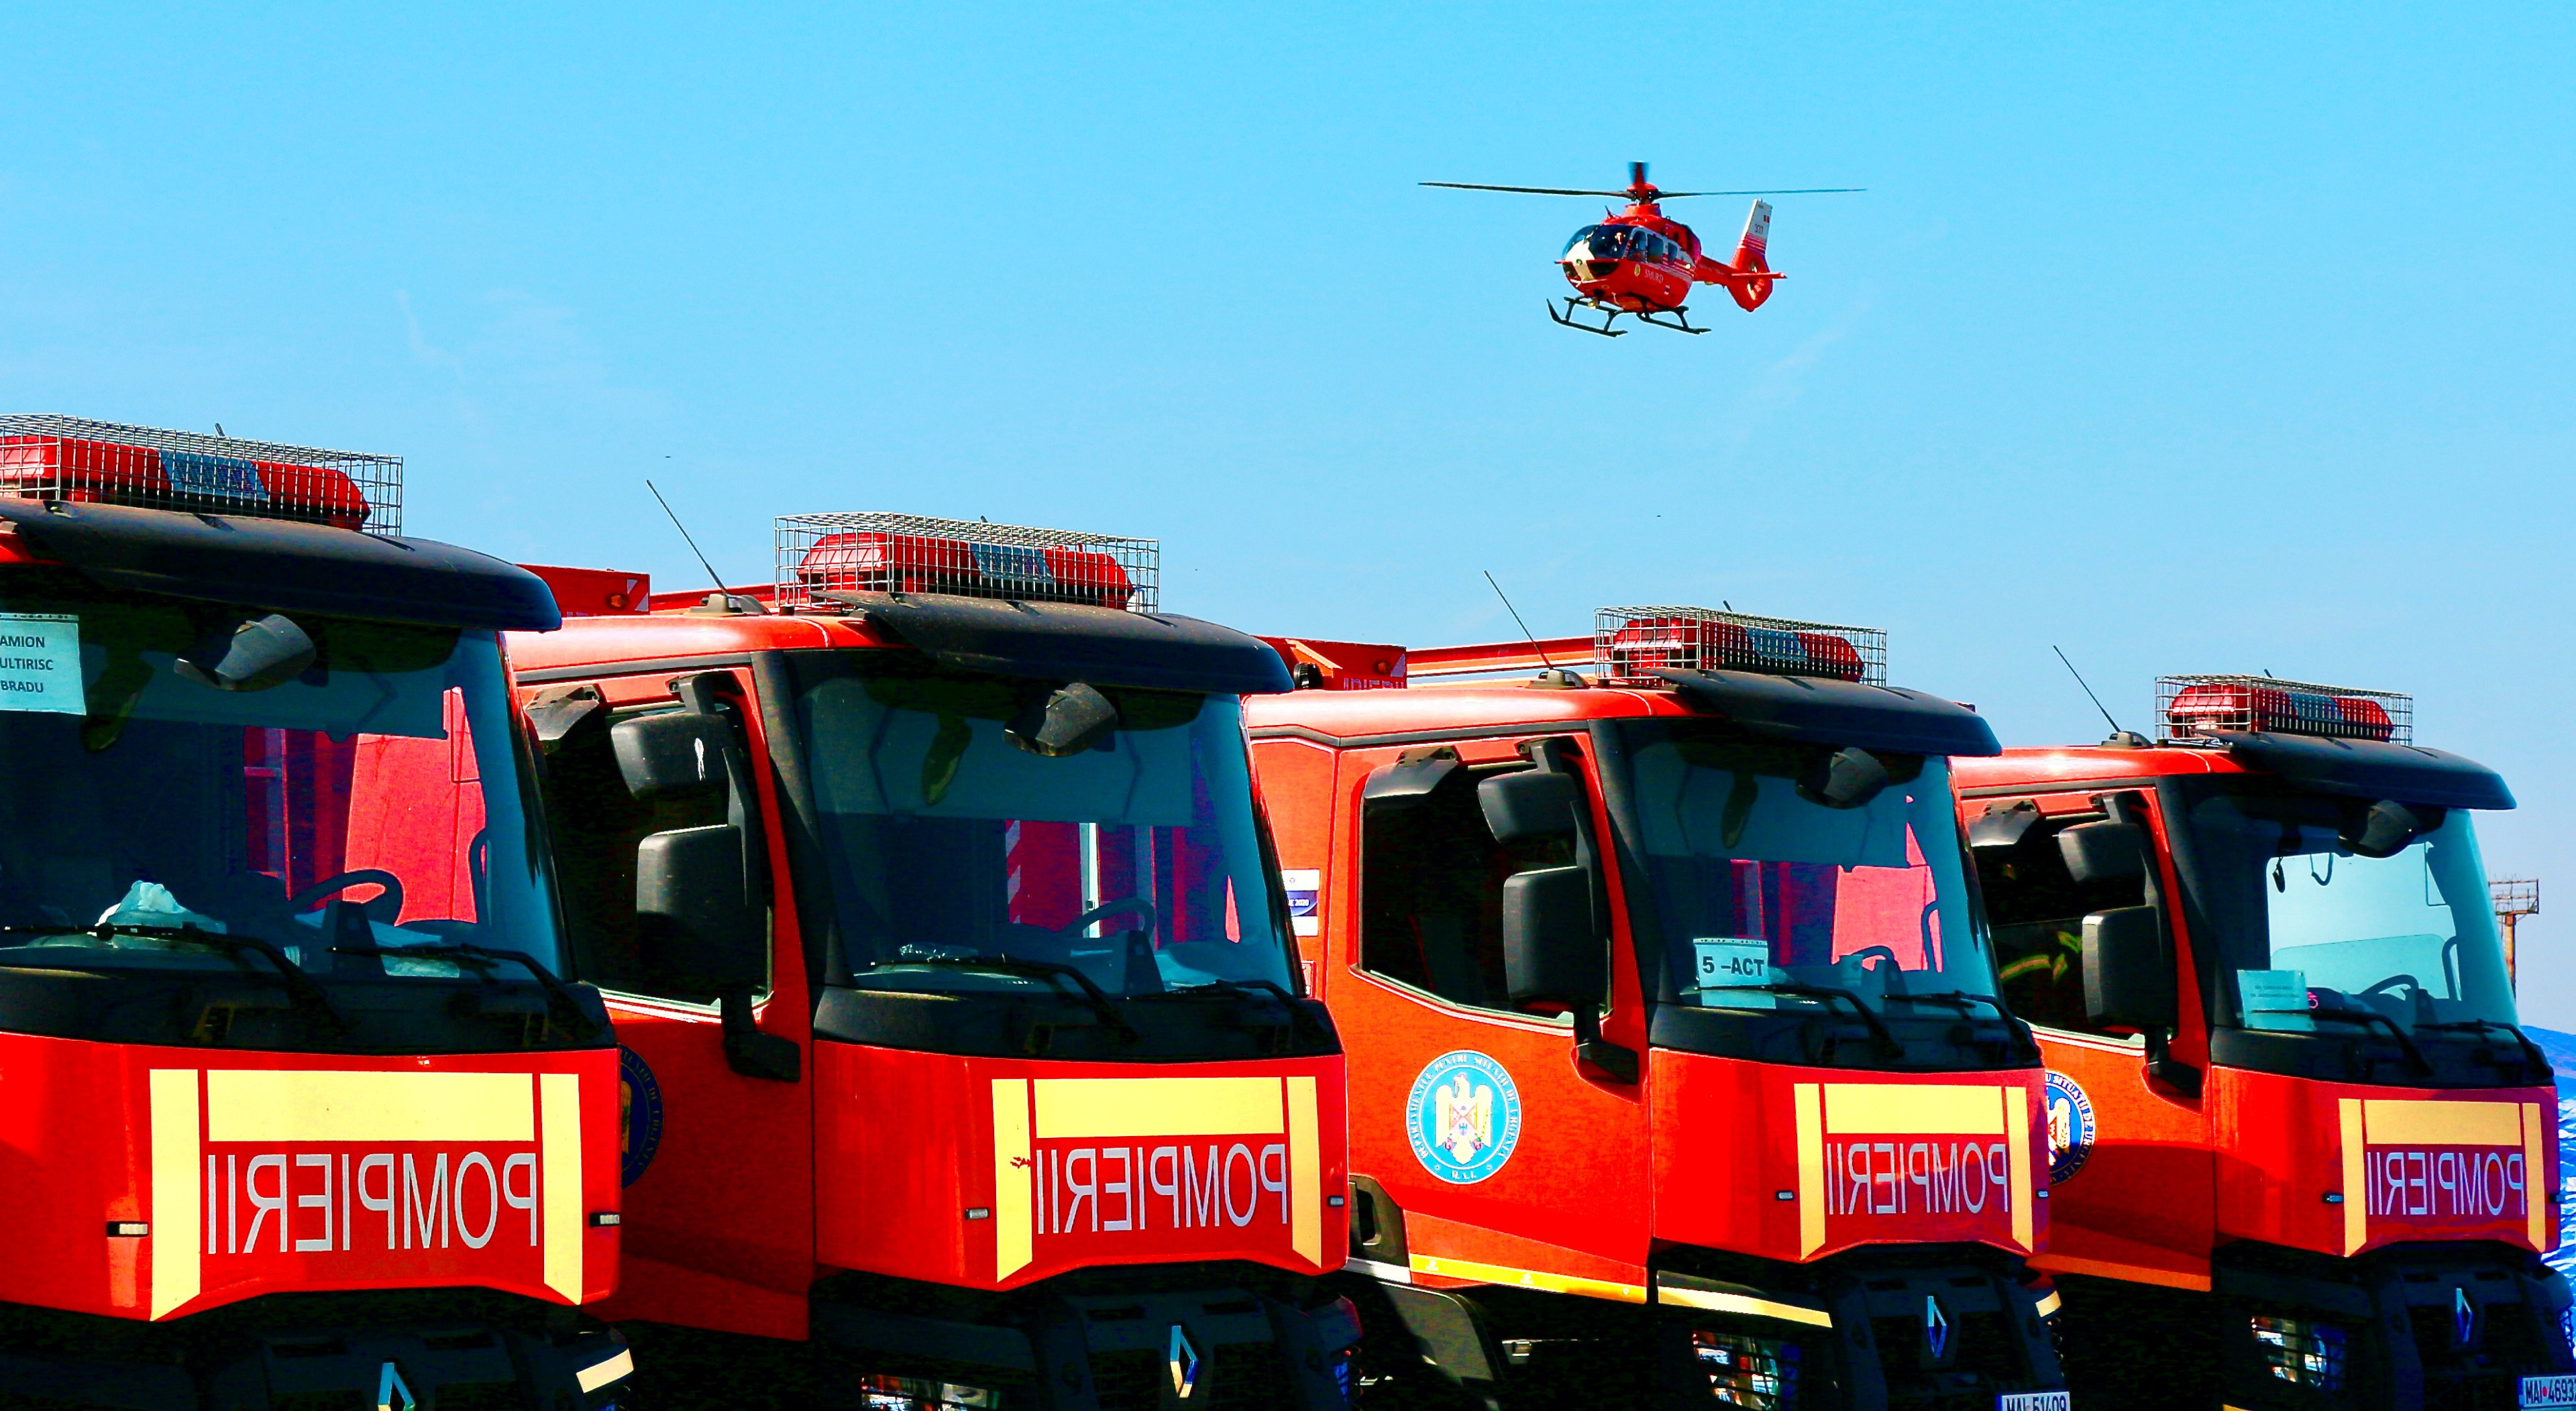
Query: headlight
878	1392
2301	1352
1742	1370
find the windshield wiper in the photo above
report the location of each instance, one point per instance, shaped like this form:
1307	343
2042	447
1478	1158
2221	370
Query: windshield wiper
1014	965
1297	1013
1880	1035
1967	1003
2414	1055
307	994
559	996
2530	1051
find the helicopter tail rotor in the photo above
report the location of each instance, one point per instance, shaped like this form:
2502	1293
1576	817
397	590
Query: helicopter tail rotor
1749	259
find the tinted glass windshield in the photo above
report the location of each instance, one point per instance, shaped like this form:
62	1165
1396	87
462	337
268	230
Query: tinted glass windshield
1135	861
371	799
2309	933
1767	895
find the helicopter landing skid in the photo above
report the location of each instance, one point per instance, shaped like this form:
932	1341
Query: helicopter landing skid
1680	322
1567	318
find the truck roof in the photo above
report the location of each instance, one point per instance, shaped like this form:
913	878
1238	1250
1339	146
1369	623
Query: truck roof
2041	765
1343	715
662	636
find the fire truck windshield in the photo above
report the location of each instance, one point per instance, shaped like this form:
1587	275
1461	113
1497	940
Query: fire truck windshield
207	794
2312	938
965	857
1770	898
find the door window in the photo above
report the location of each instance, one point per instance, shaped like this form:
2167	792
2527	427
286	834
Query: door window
1431	890
597	826
2037	909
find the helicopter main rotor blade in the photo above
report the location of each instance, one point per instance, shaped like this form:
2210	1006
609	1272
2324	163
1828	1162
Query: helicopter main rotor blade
1524	190
1660	195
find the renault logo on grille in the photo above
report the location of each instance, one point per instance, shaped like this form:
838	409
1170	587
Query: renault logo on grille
391	1393
1936	1330
1184	1363
2464	1317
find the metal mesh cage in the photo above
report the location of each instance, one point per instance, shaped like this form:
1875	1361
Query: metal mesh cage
67	458
2196	707
822	555
1631	644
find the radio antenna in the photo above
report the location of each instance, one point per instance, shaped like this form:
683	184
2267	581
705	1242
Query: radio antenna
684	535
1516	618
2118	735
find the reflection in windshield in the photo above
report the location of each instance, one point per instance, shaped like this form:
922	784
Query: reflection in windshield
372	800
1763	893
2311	933
1136	862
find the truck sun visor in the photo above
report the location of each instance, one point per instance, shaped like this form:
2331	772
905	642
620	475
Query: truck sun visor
2372	769
1824	711
284	565
1072	642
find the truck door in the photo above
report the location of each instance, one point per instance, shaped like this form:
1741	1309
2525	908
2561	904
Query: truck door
2132	1179
717	1150
1509	1164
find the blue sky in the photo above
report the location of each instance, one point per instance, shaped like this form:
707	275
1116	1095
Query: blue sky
2219	340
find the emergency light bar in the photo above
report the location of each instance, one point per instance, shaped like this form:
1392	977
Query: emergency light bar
824	554
2200	706
62	458
1631	644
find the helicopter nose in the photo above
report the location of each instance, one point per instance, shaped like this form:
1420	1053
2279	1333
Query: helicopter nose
1583	271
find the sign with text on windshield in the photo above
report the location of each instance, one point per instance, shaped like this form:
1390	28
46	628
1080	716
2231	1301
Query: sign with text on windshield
40	663
1723	963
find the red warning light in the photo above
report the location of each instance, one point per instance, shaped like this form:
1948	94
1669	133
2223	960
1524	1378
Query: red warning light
2201	706
820	555
1631	644
66	459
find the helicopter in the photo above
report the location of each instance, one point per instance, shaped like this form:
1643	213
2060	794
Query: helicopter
1640	263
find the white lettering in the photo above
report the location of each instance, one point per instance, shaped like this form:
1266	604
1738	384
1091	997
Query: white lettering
384	1162
1083	1192
1109	1188
524	1161
1166	1158
492	1189
261	1205
1280	1186
1251	1184
425	1219
322	1202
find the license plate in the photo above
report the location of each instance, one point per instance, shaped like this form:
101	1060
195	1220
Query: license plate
2062	1401
2549	1391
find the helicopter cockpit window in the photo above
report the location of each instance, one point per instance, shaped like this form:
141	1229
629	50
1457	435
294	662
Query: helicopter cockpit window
1575	247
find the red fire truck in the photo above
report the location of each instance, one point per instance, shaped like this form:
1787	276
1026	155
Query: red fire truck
2301	1154
296	1108
942	927
1676	1068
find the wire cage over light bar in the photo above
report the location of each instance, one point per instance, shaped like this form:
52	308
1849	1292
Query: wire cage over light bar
65	458
824	554
2190	707
1631	644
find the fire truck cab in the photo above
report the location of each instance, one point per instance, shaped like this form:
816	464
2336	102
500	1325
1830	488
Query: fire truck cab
2301	1154
1677	1075
965	1046
296	1109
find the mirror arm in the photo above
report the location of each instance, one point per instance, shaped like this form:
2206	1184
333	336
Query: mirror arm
2161	1065
750	1052
1617	1062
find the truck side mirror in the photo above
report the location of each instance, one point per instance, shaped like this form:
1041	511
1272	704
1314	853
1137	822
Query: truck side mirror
1526	806
1550	950
693	921
670	754
2127	981
2103	852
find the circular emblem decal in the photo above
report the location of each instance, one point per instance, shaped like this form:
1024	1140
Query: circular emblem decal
2070	1127
1464	1117
639	1116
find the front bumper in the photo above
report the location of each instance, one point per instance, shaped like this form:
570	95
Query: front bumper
1095	1342
2411	1325
436	1350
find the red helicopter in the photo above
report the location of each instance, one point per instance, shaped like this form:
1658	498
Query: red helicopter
1641	263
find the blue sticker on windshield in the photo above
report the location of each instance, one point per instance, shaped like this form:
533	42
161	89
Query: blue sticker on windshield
2070	1127
639	1116
1464	1117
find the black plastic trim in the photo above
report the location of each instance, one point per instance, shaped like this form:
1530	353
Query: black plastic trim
1817	710
2373	769
285	565
1077	642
